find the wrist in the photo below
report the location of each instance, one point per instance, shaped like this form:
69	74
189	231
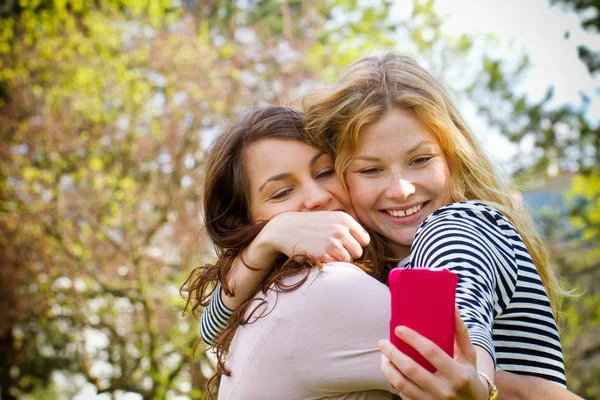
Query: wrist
488	389
483	389
270	238
262	251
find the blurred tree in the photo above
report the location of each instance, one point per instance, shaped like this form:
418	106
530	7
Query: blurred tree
84	215
579	254
564	139
580	259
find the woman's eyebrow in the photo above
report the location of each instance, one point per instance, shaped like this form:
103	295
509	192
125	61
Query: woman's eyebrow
277	177
316	157
414	148
365	158
420	144
286	175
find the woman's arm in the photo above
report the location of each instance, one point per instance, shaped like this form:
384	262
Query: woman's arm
457	241
326	235
521	387
457	378
459	245
499	287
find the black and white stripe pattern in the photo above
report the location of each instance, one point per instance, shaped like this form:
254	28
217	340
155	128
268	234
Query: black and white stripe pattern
500	293
214	318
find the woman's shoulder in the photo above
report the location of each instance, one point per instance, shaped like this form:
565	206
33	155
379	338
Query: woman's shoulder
471	212
344	275
483	223
342	267
334	277
342	295
468	208
344	279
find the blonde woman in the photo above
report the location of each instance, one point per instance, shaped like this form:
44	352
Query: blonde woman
417	177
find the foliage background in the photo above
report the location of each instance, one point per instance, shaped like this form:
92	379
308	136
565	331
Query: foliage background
106	108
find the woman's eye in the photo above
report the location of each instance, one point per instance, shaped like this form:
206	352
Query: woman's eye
369	171
326	173
281	195
421	160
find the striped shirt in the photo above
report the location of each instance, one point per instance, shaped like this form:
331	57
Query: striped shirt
500	293
214	318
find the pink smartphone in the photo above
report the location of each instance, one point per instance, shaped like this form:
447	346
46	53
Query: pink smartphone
423	300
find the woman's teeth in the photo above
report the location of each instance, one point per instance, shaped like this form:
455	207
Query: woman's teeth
405	213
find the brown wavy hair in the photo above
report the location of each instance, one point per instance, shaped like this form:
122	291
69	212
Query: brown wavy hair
231	229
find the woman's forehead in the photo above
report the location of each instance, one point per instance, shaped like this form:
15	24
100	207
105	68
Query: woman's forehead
268	157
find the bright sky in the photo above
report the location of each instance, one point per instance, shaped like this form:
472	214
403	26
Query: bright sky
535	28
540	30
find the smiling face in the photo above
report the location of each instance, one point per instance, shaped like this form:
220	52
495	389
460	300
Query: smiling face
397	177
290	175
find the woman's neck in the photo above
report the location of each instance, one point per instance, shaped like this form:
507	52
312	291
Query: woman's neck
400	251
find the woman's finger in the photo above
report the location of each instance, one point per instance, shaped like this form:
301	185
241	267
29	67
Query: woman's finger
344	248
325	258
399	382
352	246
429	350
358	232
338	254
463	341
409	368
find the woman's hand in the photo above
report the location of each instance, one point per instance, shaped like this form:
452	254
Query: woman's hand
455	378
326	235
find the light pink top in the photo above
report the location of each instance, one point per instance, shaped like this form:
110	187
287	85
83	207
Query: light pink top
319	341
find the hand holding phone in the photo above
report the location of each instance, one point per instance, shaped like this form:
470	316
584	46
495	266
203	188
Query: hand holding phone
423	300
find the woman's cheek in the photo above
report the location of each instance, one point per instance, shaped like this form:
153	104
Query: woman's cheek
359	194
352	189
341	195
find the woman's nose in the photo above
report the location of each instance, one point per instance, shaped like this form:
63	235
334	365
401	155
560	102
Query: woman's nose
316	198
400	189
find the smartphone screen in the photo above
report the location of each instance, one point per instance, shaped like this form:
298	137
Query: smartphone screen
423	300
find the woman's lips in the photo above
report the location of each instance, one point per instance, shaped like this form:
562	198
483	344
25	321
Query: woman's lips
405	212
405	215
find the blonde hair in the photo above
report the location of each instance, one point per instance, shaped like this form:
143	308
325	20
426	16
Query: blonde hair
336	114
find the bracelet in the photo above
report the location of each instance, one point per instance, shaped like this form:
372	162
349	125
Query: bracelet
491	386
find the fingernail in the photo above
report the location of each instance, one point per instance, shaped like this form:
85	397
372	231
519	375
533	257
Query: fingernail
400	331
